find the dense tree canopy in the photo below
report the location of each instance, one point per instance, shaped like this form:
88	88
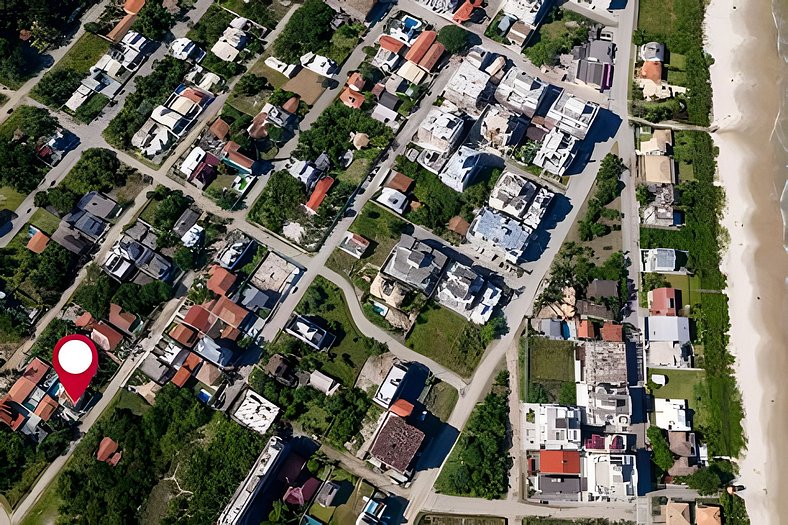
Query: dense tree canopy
97	169
454	38
141	300
279	202
479	465
309	29
331	132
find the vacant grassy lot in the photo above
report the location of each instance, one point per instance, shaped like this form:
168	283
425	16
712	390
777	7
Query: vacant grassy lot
551	360
441	400
580	521
551	366
656	16
351	348
447	338
381	228
10	198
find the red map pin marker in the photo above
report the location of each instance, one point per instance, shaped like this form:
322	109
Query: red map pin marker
76	361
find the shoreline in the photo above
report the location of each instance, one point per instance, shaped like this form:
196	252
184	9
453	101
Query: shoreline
746	77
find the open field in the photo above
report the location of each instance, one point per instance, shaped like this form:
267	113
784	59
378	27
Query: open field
10	199
446	337
451	519
656	16
550	366
441	400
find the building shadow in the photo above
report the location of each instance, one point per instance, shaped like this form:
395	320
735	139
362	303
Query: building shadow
439	446
540	239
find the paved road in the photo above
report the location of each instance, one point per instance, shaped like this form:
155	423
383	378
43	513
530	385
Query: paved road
421	490
515	511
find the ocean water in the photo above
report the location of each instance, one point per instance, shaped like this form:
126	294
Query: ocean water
780	133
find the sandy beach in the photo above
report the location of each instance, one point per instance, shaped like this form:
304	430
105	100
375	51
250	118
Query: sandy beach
748	79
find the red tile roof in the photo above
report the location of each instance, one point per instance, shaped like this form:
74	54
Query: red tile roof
291	106
85	320
221	280
559	462
397	443
319	193
181	376
463	14
186	370
220	129
400	182
38	242
133	7
664	301
106	449
352	99
459	225
21	390
229	312
356	82
119	31
432	56
652	71
105	336
184	335
402	408
198	317
36	370
389	43
120	318
46	407
420	47
230	333
585	329
9	415
612	332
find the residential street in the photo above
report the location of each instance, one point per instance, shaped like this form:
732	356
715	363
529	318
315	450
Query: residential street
610	133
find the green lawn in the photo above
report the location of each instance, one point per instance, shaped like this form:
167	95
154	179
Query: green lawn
45	221
149	211
656	17
550	366
356	172
351	348
441	400
45	509
689	286
349	511
10	198
91	109
684	384
378	226
447	338
551	360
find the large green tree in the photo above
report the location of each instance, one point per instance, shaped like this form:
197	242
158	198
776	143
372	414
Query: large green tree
309	29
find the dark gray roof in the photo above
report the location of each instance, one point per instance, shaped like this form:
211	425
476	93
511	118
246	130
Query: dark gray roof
156	370
187	219
158	267
70	239
99	205
389	100
85	222
560	485
597	311
416	264
252	298
600	288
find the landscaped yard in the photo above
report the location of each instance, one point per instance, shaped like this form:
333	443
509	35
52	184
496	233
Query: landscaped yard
447	338
441	400
381	228
684	384
10	199
351	348
551	368
690	288
45	221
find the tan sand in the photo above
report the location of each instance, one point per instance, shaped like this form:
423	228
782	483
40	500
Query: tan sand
747	78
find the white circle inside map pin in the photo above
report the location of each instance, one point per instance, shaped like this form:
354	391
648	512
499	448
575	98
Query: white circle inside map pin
75	356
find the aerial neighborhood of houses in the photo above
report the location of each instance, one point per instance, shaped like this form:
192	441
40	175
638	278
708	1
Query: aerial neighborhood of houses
346	262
